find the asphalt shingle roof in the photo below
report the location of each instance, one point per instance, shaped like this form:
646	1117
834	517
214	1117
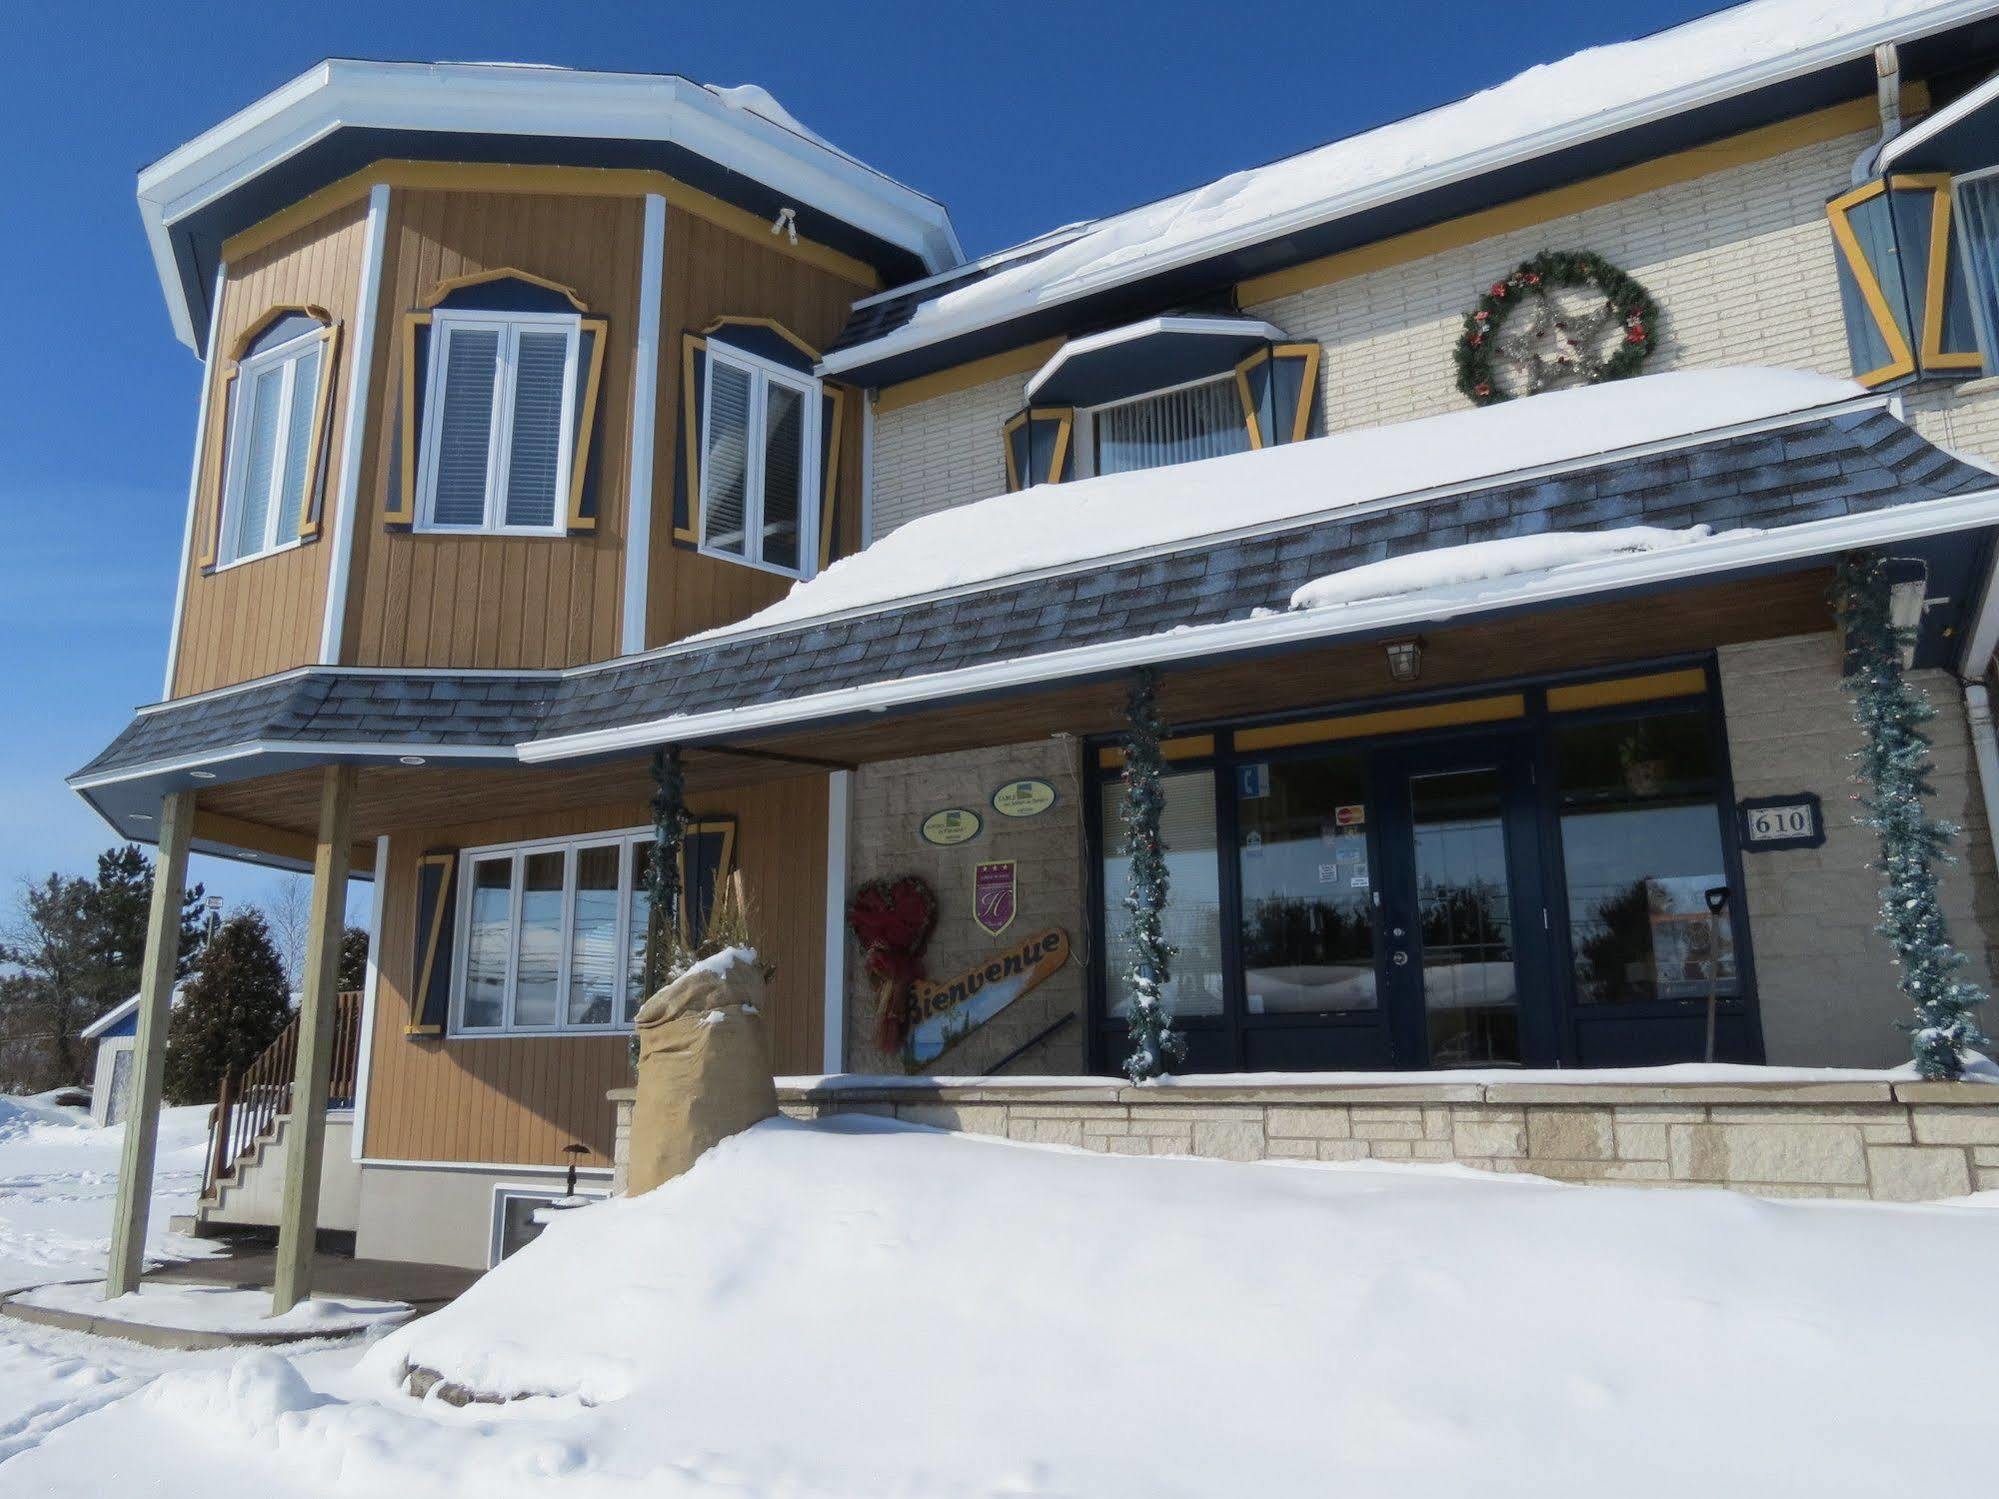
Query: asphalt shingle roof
1840	464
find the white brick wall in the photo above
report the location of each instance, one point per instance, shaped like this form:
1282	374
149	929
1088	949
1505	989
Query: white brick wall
942	452
1740	261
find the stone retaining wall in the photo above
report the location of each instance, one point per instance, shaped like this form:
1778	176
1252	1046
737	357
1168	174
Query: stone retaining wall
1893	1142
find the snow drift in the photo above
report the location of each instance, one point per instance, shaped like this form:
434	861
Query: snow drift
859	1307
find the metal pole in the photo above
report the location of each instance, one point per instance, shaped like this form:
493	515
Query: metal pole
1717	902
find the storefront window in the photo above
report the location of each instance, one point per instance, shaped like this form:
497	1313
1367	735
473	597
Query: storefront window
1642	846
1193	916
1307	922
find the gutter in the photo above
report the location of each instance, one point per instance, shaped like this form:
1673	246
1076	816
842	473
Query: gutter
1748	549
1791	65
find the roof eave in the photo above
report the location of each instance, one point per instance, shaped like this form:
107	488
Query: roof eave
1793	65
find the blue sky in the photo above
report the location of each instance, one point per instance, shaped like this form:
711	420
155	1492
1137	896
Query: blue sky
1020	117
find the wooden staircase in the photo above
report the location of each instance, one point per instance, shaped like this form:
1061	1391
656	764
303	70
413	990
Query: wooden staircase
250	1114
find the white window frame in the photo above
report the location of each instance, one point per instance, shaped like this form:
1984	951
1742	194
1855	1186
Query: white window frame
504	1192
763	374
1988	337
629	841
499	434
288	354
1083	438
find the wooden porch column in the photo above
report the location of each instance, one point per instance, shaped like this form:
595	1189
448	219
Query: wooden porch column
305	1137
149	1052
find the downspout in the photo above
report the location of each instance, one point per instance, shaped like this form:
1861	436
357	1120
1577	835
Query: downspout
1888	99
1985	748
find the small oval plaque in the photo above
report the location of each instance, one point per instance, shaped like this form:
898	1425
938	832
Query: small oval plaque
1029	798
951	825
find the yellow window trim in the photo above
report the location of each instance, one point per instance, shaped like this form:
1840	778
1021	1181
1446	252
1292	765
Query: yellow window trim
579	462
1901	361
501	177
725	869
1932	355
310	520
765	322
829	487
690	345
1308	386
403	511
450	284
1013	424
1186	747
1249	417
1689	682
448	863
1066	416
1385	721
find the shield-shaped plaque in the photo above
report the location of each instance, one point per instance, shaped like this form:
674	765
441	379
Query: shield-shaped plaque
993	900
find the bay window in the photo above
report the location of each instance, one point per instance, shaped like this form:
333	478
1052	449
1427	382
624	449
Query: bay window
1203	420
499	422
759	462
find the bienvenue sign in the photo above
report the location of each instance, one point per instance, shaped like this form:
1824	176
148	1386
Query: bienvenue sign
941	1013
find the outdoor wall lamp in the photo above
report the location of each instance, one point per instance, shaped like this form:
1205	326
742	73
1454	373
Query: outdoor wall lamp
1405	660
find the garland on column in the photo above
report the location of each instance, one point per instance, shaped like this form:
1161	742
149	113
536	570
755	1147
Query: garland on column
669	831
1148	964
1895	766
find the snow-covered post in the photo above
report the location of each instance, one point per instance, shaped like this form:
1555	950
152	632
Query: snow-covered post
1149	960
669	831
1894	762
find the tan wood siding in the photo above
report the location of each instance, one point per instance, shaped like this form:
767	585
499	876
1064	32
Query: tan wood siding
518	1100
265	615
498	601
710	274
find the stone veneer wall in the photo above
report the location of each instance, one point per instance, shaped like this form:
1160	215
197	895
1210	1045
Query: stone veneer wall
1825	981
891	799
1880	1140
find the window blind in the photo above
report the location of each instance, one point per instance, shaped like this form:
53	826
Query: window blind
535	444
465	432
1202	421
260	438
784	473
725	459
298	444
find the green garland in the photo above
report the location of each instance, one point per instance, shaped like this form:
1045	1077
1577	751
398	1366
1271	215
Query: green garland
1895	766
1630	307
669	831
1155	1045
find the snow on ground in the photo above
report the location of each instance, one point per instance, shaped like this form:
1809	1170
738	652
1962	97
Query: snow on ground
863	1308
1532	111
219	1309
1063	525
59	1181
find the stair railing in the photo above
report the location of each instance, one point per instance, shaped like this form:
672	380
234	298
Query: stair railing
252	1101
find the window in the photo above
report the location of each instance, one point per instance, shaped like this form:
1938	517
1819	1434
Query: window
1642	846
542	928
499	420
1176	426
521	1213
1193	916
272	426
1978	234
759	462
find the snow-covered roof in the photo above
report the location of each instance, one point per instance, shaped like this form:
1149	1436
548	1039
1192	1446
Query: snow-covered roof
1054	526
743	130
124	1009
1549	107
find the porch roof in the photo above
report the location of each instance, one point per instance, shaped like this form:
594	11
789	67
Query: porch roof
1783	494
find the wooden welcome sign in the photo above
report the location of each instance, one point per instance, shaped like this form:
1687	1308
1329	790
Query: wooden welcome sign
941	1013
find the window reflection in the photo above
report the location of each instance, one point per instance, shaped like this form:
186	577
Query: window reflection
1642	845
1307	923
1193	916
1464	908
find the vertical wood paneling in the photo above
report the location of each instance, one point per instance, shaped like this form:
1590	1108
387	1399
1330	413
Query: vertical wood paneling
264	616
518	1101
516	601
711	273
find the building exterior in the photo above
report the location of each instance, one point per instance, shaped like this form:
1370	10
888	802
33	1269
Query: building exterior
555	419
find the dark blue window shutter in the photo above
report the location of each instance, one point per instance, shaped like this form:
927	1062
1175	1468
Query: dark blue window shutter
436	931
687	472
1040	446
707	858
832	414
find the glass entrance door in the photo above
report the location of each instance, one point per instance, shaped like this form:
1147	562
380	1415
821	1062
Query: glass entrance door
1462	921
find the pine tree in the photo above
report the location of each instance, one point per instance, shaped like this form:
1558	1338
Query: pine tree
353	972
1895	766
229	1011
1149	957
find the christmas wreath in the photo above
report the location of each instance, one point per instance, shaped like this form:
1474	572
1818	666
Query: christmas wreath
1554	346
892	920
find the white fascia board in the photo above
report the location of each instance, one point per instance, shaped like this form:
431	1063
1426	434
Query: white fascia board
108	1019
1942	120
1794	64
1221	327
486	99
321	749
1728	552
